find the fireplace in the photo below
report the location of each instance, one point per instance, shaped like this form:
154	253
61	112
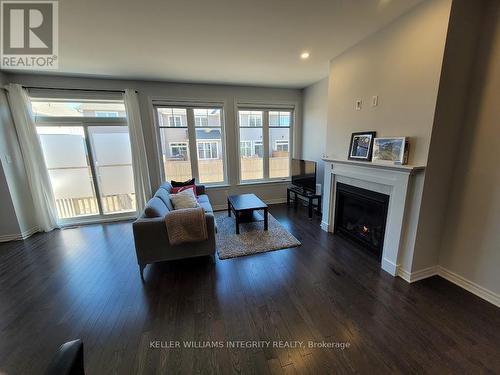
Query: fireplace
360	216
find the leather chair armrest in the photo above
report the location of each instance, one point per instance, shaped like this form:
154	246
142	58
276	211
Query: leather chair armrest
68	360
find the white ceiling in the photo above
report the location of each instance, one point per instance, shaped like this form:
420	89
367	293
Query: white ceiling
254	42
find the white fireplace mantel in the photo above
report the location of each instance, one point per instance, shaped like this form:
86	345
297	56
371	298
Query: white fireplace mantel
393	180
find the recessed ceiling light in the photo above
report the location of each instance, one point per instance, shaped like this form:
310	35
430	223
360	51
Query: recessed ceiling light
304	55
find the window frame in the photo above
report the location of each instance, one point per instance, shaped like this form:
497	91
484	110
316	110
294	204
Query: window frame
265	109
191	127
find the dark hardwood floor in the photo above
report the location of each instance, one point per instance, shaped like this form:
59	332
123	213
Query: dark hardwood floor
84	283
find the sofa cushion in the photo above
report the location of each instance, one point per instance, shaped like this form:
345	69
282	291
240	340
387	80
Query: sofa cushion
184	183
205	203
203	198
167	186
184	199
155	208
176	190
165	197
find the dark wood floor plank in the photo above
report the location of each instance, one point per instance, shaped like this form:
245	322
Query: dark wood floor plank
84	283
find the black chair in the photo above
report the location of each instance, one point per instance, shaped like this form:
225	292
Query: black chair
68	360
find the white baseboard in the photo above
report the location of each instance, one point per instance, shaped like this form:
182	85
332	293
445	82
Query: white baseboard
456	279
389	266
325	226
470	286
417	275
404	274
222	207
19	236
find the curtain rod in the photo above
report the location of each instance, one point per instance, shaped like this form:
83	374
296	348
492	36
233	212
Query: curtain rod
69	89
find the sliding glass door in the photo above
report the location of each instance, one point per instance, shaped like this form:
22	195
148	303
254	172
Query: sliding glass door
66	156
89	161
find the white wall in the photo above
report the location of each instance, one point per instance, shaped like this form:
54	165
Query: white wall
471	243
460	53
230	95
402	65
315	108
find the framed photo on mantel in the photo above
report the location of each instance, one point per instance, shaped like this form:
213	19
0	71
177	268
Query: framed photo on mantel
392	150
361	146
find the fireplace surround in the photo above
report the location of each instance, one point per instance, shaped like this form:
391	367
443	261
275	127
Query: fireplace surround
402	184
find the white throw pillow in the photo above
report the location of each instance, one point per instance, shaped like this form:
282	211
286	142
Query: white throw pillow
184	199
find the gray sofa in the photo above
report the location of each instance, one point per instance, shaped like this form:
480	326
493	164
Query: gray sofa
150	231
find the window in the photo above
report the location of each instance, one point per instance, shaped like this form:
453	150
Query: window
279	139
201	121
252	161
89	163
245	148
254	120
83	108
198	126
106	114
174	142
251	119
281	146
258	148
264	144
179	150
175	121
172	117
279	118
208	150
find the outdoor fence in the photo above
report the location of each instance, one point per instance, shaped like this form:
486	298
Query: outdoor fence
212	170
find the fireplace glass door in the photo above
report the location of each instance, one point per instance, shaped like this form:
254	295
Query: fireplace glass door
360	216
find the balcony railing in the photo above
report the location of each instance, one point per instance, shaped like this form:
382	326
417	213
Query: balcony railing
74	192
111	204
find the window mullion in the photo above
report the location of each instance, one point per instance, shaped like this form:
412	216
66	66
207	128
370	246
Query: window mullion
265	143
193	149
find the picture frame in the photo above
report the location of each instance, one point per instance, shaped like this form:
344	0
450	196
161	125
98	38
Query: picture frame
361	146
391	150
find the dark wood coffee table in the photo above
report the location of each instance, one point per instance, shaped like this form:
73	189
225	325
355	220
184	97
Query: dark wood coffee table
244	206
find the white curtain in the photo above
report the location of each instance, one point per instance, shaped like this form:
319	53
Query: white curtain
139	160
34	162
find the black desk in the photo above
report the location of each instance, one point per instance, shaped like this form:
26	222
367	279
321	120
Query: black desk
309	195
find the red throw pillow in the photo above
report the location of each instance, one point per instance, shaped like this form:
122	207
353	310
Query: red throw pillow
176	190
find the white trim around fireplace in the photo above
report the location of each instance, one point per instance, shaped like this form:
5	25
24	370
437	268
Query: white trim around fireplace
393	180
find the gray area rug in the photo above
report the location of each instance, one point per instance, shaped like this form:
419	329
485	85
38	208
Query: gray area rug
252	238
